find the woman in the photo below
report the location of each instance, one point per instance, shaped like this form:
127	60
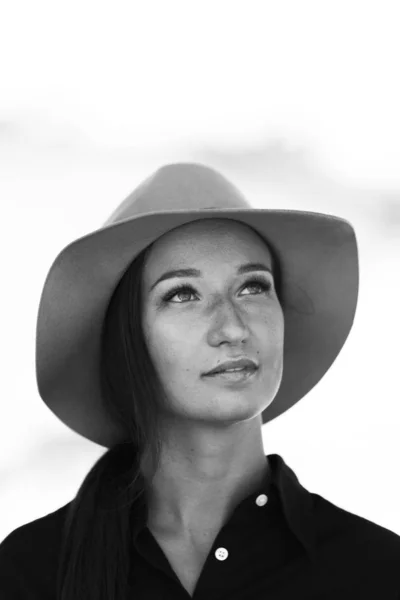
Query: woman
170	336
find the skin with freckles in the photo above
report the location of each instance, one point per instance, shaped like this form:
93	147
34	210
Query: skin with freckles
213	454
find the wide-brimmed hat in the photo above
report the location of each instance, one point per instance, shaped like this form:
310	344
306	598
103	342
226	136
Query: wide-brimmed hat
318	261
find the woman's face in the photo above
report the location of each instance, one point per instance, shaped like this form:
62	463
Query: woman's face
224	315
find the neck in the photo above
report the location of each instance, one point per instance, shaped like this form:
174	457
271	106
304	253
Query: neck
201	481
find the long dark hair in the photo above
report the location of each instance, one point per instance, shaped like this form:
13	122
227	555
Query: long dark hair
96	552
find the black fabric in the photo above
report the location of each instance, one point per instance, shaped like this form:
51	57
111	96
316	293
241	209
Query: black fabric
298	545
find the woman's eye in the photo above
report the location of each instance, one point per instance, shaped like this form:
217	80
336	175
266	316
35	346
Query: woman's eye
186	289
183	291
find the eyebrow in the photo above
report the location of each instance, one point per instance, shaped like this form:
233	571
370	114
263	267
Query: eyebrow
246	268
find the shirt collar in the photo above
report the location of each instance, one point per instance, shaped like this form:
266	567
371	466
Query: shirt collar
296	503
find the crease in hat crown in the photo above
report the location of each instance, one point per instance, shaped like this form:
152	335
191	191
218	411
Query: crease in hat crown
180	186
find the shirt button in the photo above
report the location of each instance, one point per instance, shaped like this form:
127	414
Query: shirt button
221	553
262	499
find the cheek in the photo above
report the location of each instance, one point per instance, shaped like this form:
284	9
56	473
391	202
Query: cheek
269	328
276	325
170	348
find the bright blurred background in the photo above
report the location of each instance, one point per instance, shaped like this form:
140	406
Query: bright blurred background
297	103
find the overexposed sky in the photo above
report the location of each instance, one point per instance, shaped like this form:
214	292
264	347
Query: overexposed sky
145	74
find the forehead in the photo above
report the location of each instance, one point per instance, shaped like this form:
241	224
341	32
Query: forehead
208	239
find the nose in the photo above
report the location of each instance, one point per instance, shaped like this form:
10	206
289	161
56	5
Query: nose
229	323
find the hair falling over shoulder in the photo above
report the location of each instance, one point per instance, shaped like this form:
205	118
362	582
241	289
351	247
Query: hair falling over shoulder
96	553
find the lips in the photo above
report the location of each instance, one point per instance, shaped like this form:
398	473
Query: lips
235	372
242	363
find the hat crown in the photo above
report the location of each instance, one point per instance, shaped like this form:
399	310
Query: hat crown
180	186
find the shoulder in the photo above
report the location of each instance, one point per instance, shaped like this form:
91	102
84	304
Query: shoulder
354	551
43	530
336	523
29	556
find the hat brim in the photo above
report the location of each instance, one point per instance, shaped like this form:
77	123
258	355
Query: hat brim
318	259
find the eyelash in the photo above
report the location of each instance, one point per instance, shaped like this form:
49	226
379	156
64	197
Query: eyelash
186	287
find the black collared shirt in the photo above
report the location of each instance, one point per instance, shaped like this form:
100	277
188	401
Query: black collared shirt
281	541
